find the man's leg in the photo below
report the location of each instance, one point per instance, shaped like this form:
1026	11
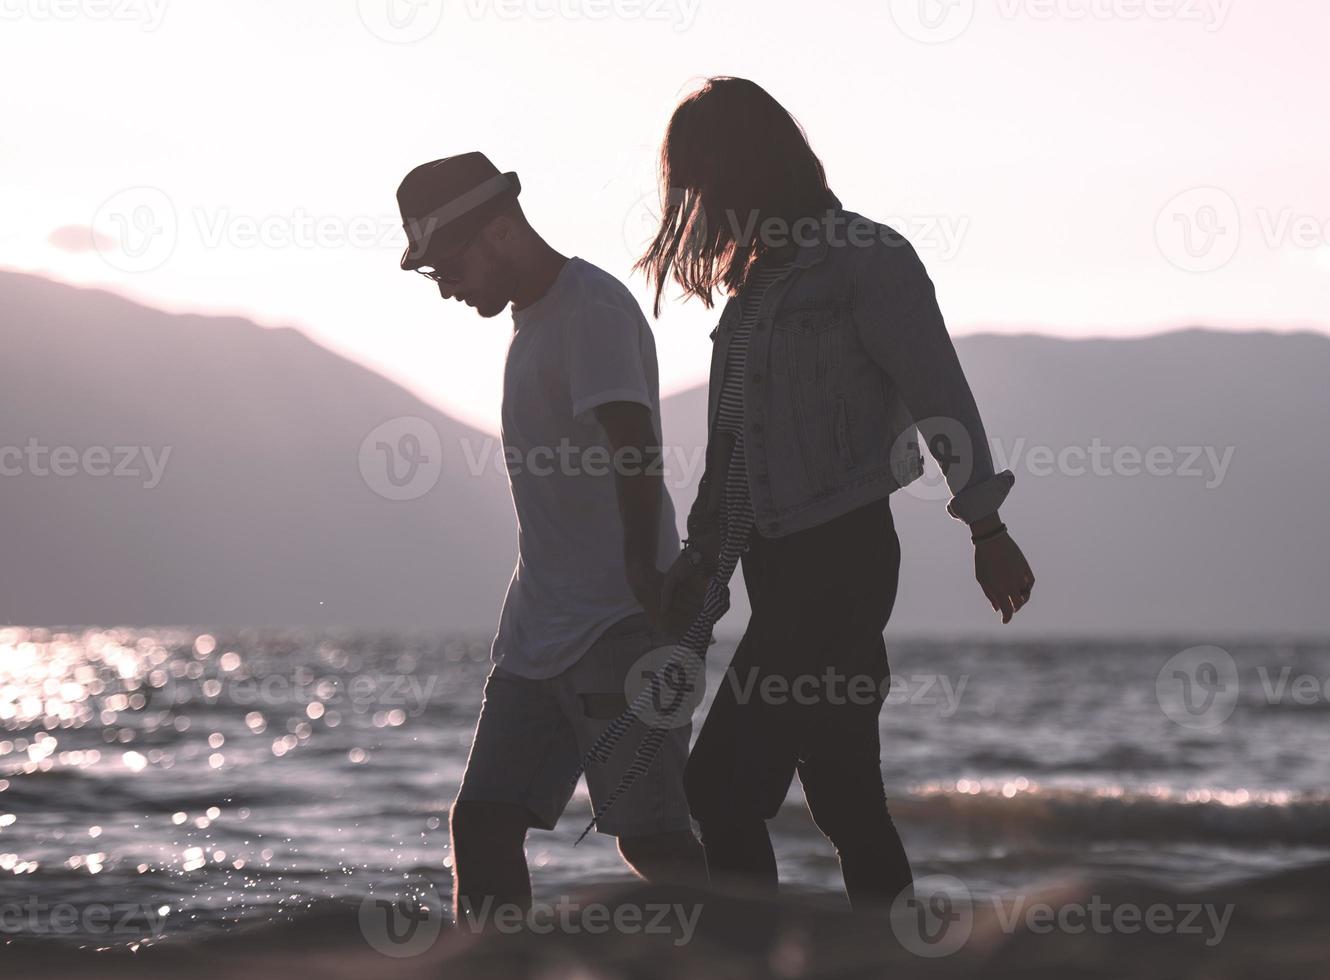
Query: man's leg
673	856
650	820
518	776
489	858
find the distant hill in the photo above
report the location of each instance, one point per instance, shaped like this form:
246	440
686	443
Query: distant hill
262	515
266	511
1140	554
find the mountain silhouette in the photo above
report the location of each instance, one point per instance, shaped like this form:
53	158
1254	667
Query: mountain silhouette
1199	550
262	515
273	506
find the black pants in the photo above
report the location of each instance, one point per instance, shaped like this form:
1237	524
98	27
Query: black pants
803	694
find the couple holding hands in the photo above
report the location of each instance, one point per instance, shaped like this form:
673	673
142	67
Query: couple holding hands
831	366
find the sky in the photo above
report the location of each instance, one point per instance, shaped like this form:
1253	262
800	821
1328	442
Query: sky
1073	167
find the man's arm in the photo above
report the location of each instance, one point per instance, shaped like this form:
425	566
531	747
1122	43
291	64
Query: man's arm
639	484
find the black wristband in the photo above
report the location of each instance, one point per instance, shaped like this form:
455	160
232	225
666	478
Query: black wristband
997	532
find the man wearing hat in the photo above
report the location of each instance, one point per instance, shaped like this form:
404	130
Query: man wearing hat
581	433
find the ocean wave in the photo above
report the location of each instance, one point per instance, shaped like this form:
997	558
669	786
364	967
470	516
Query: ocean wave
1019	813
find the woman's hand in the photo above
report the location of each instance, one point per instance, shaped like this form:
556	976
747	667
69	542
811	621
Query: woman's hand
1003	574
681	595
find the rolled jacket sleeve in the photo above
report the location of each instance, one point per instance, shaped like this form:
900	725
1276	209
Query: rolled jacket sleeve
900	325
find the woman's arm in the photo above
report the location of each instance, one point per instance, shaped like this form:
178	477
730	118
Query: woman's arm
901	327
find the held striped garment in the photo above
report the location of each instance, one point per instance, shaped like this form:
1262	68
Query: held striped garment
683	670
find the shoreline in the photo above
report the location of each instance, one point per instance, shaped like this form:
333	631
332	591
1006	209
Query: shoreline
1067	927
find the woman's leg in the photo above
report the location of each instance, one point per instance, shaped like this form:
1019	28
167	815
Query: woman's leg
843	578
842	779
820	600
840	761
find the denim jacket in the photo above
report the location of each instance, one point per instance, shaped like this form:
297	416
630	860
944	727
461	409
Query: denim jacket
849	361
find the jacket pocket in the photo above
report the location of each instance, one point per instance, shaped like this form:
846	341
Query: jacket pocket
810	337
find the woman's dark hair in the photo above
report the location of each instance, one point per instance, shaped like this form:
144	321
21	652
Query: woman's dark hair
733	159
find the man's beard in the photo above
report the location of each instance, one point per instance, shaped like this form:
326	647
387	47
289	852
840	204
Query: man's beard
491	308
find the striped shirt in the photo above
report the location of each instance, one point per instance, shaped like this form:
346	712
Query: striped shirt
737	508
681	673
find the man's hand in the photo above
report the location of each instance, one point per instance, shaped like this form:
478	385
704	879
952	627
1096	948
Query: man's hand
681	595
640	490
647	582
1002	571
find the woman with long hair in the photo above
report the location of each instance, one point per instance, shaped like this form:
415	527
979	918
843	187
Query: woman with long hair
829	362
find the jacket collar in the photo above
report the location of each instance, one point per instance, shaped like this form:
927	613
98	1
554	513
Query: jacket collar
814	252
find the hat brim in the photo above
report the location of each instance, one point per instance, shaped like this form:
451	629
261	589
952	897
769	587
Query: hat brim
428	243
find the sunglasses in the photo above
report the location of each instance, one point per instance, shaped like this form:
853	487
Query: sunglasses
449	269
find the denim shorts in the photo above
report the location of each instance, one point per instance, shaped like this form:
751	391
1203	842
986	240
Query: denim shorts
532	734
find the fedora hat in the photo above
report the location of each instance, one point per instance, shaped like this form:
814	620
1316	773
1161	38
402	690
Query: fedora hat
445	203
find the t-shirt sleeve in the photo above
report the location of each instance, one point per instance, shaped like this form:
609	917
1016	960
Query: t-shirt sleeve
605	359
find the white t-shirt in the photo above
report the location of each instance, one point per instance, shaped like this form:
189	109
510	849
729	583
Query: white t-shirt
583	344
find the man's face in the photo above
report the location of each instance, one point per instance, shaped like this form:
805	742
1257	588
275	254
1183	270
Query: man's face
480	275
